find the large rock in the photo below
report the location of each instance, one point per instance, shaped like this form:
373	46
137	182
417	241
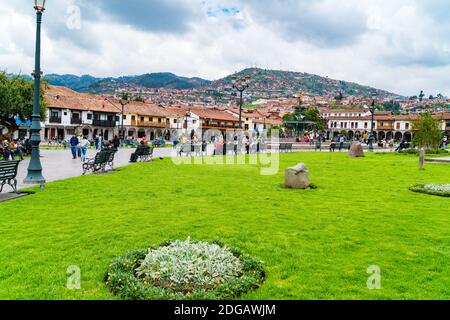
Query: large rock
356	150
297	177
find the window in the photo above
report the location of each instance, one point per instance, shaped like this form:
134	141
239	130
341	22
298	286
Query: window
117	118
55	114
133	118
124	117
159	120
65	113
407	126
76	115
142	119
398	125
365	125
70	132
89	116
175	120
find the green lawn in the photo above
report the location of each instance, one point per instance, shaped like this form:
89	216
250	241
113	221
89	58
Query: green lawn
315	244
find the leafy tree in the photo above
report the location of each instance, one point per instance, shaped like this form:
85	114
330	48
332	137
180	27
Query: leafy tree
427	132
392	106
16	100
421	95
339	97
313	115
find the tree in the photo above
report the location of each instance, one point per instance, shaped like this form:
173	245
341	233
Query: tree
421	95
16	100
427	132
313	115
392	106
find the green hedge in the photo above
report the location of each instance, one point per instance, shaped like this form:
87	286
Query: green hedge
123	282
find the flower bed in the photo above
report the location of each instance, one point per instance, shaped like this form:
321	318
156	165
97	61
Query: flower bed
442	190
183	270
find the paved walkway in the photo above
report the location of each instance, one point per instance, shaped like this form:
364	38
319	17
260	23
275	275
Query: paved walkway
59	165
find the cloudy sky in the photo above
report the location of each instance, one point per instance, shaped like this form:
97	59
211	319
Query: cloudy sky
399	45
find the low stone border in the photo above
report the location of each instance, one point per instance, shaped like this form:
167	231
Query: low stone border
442	190
123	281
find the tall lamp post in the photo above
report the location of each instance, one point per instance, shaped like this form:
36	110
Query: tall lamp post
372	111
34	175
240	85
123	102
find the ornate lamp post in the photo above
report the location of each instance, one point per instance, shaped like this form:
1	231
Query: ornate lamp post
240	85
123	102
372	111
34	175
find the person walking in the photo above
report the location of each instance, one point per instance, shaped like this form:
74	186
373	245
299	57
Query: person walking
116	143
84	144
74	146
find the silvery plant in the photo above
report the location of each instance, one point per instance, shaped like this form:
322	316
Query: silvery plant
187	265
438	187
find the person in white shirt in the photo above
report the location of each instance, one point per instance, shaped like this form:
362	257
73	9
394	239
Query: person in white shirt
84	144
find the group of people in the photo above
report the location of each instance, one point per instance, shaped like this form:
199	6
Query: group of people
80	144
9	150
247	144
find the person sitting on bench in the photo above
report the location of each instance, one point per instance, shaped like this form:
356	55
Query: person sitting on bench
141	146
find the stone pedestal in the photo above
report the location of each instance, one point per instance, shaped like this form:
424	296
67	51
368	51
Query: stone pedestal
297	177
356	150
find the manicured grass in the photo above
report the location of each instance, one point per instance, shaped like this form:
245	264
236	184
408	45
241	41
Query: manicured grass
316	244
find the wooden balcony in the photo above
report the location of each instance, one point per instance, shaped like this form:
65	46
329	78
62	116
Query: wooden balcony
55	120
75	121
385	127
149	124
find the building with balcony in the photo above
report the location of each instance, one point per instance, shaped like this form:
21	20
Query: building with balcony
70	112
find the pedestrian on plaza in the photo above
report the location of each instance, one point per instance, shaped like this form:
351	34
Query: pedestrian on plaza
84	144
100	142
74	145
116	143
6	151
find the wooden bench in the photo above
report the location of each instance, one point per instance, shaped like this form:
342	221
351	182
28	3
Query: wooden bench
8	173
102	159
144	154
340	146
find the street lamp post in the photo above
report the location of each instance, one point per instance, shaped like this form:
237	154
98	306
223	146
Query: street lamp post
372	111
123	102
34	175
240	85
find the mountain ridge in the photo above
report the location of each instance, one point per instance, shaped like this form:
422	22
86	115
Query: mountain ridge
266	80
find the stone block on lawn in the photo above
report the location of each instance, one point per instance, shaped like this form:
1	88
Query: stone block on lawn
297	177
356	150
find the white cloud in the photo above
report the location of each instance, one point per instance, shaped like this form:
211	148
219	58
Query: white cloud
400	46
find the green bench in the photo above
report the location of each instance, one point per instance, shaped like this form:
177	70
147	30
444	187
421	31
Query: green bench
102	159
8	173
144	154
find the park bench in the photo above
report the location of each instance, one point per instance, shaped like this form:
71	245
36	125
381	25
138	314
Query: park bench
185	148
340	146
144	154
8	173
318	146
102	159
286	147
